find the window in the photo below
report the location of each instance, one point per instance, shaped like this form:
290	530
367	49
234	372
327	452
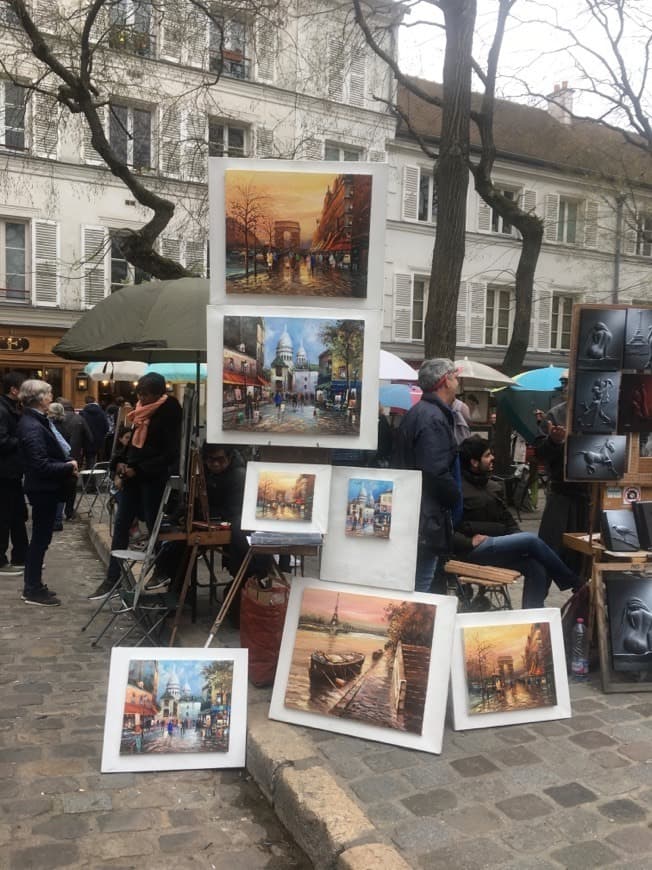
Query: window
227	43
13	259
225	140
499	224
419	195
644	235
12	115
560	332
427	208
123	272
567	221
498	315
130	135
130	27
341	152
419	305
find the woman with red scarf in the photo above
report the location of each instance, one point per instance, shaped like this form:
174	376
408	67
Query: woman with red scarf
152	457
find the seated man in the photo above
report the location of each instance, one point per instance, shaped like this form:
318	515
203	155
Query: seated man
489	535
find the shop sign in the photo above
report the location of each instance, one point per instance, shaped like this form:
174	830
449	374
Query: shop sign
13	343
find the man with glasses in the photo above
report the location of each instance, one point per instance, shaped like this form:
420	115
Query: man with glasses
426	442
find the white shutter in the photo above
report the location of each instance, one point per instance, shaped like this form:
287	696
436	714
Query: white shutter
484	216
357	77
197	36
591	208
45	15
171	248
335	67
195	259
45	244
462	318
266	38
630	233
313	149
90	154
544	321
477	307
172	31
528	201
551	217
195	147
410	192
264	142
45	125
170	126
402	319
94	271
100	27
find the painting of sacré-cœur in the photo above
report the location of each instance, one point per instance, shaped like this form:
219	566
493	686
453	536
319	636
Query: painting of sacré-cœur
369	508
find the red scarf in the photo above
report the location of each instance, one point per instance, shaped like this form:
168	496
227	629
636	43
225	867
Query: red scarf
140	418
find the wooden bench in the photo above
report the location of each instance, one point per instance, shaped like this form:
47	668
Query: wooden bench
494	582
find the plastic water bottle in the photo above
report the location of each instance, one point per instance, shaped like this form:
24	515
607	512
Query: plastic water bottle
579	651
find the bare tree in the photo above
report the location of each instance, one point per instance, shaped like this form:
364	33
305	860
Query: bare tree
247	211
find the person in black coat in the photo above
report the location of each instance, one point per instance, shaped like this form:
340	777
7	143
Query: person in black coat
152	456
77	433
12	499
47	472
98	423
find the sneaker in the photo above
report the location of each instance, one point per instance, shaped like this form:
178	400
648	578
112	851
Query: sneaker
158	581
103	591
41	599
58	527
11	570
44	590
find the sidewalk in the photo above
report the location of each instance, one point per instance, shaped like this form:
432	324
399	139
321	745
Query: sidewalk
575	793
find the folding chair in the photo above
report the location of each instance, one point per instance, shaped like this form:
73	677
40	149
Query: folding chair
94	481
135	569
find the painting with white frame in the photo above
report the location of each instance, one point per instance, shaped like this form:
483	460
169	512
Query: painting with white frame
509	668
328	384
288	207
368	559
286	497
175	709
365	662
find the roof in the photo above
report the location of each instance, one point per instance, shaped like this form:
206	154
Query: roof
532	136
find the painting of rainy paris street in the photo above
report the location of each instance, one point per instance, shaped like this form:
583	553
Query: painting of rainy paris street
292	374
177	706
362	657
284	496
299	233
369	508
509	667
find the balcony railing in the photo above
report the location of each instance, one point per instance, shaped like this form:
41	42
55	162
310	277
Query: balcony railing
238	67
133	41
9	295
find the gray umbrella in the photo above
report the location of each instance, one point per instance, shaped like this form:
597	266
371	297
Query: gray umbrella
161	321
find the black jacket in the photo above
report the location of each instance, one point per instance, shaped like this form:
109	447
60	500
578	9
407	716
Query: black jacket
552	455
46	468
11	465
77	433
485	512
97	421
159	455
226	491
425	441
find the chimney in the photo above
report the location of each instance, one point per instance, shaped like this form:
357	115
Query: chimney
560	103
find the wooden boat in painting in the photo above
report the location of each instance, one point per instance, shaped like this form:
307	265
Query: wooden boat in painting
335	667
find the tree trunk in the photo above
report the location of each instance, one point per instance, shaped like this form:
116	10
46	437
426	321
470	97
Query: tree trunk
452	180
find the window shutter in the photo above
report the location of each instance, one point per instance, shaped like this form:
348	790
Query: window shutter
170	124
529	201
410	192
171	248
101	25
335	67
266	38
195	148
484	216
45	15
264	142
196	257
462	318
357	77
90	154
630	234
313	149
551	217
44	125
197	36
591	223
46	253
172	31
402	320
477	305
94	271
544	321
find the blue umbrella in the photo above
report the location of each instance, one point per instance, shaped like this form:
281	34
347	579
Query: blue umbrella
399	396
545	380
180	373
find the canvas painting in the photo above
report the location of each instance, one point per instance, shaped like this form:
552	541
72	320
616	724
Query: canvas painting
286	497
369	508
629	600
373	527
509	667
175	709
596	402
645	445
619	533
601	338
596	457
638	339
635	406
293	376
365	663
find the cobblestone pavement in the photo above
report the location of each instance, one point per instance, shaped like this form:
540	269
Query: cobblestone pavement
56	808
301	282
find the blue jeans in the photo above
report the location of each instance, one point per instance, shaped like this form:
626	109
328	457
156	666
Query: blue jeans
425	570
44	511
139	498
528	554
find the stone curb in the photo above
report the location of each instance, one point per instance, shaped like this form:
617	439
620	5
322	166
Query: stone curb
323	820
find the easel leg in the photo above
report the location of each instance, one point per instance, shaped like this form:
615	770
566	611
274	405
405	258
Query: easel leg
233	591
187	577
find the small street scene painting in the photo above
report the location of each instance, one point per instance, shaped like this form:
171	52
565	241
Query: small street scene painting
282	496
297	233
177	706
509	667
294	374
362	657
369	508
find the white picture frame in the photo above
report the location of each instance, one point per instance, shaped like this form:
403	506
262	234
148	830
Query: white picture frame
507	634
276	492
419	724
254	175
209	725
336	406
367	559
